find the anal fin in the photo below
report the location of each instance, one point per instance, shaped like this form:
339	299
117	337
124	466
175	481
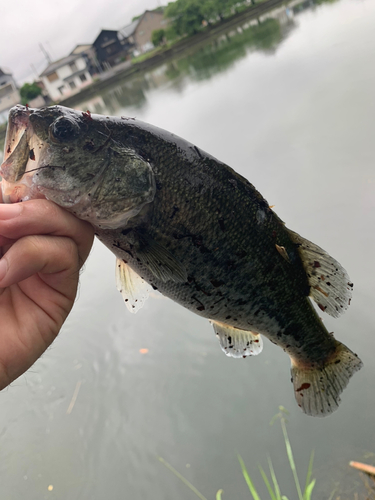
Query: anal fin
237	343
133	288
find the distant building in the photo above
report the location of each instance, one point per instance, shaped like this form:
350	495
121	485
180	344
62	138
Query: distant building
110	48
88	52
9	94
126	36
139	32
66	76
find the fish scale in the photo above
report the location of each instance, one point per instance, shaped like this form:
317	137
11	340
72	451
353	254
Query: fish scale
243	280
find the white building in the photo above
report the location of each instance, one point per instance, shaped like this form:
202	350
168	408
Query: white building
9	95
66	76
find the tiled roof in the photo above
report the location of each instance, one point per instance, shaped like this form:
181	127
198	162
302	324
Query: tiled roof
127	31
57	64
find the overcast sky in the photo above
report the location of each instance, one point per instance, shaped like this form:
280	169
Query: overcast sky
59	26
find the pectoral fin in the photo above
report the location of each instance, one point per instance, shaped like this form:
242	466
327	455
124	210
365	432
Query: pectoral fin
133	288
160	261
237	343
330	285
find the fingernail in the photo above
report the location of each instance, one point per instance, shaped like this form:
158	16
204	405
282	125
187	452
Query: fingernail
3	268
9	211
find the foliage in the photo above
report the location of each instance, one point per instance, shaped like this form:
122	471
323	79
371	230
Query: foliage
157	37
220	55
189	16
146	55
186	15
29	91
170	33
273	489
185	481
218	9
320	2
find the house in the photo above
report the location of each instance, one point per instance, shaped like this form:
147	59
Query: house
110	48
126	35
66	76
9	94
88	52
139	32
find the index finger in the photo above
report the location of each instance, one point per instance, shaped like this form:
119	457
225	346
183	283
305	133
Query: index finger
40	217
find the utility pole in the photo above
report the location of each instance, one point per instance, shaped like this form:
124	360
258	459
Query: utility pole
48	57
35	71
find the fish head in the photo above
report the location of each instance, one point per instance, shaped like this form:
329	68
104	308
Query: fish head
77	160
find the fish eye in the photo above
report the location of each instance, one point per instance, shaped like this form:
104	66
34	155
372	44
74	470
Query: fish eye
63	129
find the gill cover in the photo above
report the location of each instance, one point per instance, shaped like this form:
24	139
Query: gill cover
85	170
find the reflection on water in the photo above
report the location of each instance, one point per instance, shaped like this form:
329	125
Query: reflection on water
220	54
223	53
264	34
288	102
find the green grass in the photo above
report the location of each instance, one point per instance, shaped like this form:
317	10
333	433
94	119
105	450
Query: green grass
271	482
185	481
147	55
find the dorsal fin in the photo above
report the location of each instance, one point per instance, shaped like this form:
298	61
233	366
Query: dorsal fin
237	343
133	288
330	285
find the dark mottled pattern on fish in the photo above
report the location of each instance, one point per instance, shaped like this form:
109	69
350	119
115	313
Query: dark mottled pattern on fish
190	210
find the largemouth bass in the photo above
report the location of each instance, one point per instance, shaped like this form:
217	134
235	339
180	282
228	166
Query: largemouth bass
181	222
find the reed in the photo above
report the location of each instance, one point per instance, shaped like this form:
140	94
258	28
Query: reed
271	483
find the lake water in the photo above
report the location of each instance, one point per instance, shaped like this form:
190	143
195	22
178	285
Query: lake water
290	105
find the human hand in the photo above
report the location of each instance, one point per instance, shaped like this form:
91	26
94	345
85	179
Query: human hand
43	249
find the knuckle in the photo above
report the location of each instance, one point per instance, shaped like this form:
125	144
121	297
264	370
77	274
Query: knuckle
33	244
68	252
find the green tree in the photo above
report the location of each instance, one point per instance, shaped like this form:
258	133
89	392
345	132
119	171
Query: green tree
157	37
219	8
186	16
29	91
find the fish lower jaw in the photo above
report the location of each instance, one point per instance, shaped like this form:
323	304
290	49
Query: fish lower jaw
14	192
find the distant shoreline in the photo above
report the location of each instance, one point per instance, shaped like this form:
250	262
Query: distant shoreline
164	55
178	48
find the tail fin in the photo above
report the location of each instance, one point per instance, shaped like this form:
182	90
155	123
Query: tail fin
317	389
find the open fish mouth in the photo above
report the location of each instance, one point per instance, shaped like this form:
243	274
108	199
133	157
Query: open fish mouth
21	155
18	123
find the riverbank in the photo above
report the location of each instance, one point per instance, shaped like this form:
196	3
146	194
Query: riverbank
179	47
127	70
